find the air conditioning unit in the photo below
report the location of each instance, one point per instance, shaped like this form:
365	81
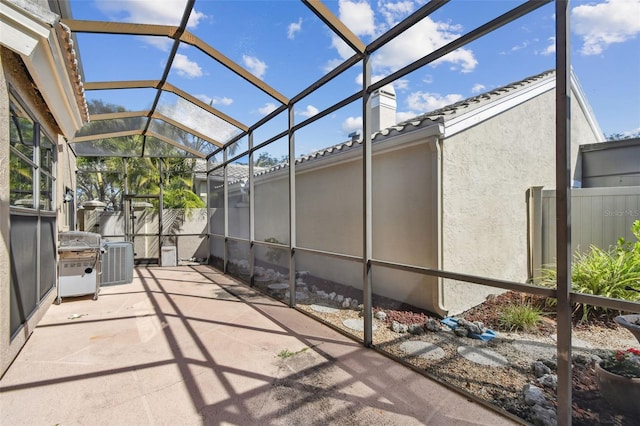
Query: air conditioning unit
117	263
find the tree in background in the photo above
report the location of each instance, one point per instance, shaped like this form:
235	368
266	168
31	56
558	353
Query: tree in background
102	177
623	136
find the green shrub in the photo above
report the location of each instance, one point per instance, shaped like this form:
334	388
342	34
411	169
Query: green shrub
520	317
612	273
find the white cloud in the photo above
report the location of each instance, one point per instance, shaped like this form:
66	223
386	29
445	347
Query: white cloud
478	88
268	108
357	16
309	111
401	84
332	64
520	46
602	24
405	115
216	100
294	27
420	40
352	124
148	12
185	67
343	48
426	102
254	65
550	49
395	12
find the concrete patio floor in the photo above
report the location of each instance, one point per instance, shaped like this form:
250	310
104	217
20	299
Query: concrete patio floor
189	346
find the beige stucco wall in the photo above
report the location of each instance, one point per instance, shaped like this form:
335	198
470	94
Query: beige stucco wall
329	216
6	352
13	73
486	172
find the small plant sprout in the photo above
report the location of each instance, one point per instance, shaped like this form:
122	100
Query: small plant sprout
520	317
286	353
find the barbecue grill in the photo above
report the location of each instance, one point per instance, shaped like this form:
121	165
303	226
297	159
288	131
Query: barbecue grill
80	255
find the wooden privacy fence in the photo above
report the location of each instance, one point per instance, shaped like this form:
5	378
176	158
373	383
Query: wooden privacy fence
599	217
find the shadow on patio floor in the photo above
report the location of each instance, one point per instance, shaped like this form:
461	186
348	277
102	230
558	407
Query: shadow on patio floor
189	346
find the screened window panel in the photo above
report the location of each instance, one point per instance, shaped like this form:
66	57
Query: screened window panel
115	125
47	255
233	27
21	130
120	100
239	147
238	182
47	153
155	147
21	187
181	136
271	175
47	185
216	202
217	85
128	54
275	126
196	118
24	267
113	147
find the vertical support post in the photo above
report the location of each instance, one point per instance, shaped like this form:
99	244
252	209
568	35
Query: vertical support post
210	238
367	250
563	210
160	211
226	210
292	210
252	255
126	203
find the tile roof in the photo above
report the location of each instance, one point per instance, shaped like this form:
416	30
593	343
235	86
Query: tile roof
438	116
73	67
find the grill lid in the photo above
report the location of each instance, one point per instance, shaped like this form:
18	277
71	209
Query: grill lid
79	240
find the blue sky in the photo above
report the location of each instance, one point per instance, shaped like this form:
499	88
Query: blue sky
288	47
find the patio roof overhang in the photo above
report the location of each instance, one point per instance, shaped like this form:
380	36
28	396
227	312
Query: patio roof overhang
36	35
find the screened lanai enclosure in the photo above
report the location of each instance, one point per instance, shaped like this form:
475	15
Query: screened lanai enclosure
335	185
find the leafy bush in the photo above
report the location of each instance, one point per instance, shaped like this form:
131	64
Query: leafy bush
612	273
520	317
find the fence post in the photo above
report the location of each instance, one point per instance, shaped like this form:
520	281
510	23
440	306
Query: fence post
534	234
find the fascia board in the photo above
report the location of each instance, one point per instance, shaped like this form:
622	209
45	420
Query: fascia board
491	109
30	31
584	105
46	67
21	31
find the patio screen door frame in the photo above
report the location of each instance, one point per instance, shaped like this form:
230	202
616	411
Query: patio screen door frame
144	253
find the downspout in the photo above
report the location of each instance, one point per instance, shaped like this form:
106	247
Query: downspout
439	143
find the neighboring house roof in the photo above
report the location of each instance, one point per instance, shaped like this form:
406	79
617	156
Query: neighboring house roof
235	172
471	111
453	118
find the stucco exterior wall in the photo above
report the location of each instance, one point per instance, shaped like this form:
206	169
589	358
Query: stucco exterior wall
486	172
6	352
329	216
